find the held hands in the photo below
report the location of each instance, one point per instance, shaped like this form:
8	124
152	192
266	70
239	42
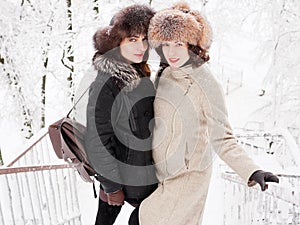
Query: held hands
262	177
116	198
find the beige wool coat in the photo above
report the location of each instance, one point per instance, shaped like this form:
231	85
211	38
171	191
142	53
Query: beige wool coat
191	125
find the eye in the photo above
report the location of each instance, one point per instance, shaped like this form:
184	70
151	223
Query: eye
179	44
132	39
165	44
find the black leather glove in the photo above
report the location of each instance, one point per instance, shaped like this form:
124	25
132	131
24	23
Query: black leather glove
262	177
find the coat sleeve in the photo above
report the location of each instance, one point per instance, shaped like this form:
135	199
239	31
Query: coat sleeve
221	133
100	135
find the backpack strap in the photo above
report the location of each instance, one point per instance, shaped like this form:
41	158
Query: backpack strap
73	107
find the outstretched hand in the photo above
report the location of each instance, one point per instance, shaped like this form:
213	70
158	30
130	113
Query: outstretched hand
261	177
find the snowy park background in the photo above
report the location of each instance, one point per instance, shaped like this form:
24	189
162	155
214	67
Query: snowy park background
46	51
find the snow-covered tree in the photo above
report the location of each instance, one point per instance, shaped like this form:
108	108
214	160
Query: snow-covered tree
46	49
261	39
31	30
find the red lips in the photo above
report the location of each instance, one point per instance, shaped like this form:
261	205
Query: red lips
173	60
139	55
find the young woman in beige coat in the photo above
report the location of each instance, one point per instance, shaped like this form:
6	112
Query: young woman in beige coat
191	122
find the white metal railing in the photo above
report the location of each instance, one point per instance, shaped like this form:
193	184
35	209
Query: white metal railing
280	204
279	143
37	189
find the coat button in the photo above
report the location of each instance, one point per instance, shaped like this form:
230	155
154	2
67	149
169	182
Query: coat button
147	113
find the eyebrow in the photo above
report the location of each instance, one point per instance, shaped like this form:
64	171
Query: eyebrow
136	36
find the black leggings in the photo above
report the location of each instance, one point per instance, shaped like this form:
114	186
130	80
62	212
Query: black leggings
107	214
134	217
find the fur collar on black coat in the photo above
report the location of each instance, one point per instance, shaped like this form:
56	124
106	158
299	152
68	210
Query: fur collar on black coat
124	75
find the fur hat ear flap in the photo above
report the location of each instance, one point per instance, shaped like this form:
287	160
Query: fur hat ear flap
205	39
206	32
105	40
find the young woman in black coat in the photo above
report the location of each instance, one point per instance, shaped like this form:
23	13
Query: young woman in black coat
120	113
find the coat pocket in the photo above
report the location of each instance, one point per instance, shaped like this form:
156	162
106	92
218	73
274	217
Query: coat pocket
186	157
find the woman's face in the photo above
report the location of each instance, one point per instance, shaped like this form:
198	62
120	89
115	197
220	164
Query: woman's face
176	53
133	48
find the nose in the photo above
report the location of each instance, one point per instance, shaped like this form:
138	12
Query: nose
171	51
142	45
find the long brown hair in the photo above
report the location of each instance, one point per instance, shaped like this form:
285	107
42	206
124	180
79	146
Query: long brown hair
198	55
144	68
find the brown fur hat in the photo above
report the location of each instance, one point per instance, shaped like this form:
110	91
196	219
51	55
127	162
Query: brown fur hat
129	21
180	23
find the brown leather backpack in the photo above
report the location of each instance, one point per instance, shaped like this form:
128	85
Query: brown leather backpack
67	138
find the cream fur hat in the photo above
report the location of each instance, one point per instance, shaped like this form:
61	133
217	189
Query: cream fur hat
180	23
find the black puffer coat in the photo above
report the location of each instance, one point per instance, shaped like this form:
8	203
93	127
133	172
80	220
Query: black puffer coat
119	129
